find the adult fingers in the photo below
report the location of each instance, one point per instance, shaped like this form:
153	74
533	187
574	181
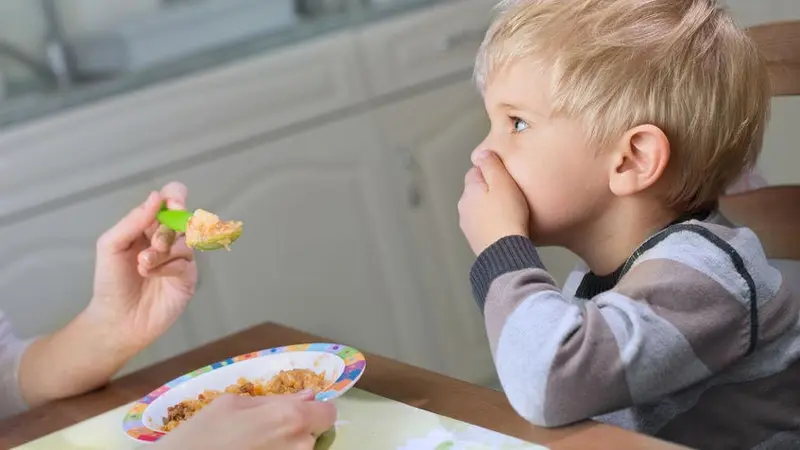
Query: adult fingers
305	443
306	395
175	194
320	416
131	227
174	268
151	259
162	239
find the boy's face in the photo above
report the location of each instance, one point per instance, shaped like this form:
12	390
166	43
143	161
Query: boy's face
564	180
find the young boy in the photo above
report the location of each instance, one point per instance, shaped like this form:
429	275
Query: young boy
615	127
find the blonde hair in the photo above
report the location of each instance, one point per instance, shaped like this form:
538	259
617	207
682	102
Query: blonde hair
682	65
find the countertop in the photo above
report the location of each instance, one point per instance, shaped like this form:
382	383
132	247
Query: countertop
40	103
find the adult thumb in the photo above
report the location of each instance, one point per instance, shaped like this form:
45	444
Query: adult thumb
493	170
132	226
306	394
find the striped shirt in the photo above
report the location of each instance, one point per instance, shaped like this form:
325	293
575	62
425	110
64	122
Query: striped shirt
695	339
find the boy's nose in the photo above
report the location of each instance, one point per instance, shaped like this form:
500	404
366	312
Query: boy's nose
478	150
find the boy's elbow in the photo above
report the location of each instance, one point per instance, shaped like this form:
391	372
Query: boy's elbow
530	409
534	406
533	398
529	402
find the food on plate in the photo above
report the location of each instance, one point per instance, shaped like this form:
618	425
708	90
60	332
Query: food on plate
285	382
205	231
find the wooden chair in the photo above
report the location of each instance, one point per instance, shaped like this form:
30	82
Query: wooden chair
780	44
773	213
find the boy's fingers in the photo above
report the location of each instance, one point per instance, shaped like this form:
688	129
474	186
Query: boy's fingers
132	226
492	168
475	177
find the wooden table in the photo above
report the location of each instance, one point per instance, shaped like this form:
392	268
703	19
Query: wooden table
385	377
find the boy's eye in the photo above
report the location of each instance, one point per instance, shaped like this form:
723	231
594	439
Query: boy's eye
519	125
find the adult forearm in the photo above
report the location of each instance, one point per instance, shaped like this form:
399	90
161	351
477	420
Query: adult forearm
81	357
773	213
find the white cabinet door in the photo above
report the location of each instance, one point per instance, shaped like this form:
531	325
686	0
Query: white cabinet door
436	132
197	116
425	45
320	247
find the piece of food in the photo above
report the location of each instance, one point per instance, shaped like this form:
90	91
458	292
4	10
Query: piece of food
205	231
285	382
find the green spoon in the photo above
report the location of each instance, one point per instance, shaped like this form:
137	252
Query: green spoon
206	232
174	219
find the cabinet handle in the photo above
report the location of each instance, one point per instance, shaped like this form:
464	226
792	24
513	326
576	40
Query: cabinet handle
460	38
414	171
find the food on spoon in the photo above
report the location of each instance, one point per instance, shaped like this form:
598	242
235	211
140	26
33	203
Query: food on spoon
285	382
205	231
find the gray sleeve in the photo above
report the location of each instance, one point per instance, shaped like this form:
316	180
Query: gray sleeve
677	317
11	350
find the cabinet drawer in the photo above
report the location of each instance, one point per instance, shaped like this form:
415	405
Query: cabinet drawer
169	123
425	45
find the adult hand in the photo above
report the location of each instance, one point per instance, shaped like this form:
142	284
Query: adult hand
144	277
145	274
278	422
492	206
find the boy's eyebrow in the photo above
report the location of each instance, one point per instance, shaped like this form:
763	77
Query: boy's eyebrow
520	107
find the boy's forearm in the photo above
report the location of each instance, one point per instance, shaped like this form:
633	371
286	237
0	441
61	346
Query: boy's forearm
558	362
80	357
525	336
562	360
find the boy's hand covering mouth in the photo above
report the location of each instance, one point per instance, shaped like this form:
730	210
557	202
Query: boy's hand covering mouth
492	206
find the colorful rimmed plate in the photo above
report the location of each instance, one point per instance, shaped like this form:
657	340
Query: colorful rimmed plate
341	363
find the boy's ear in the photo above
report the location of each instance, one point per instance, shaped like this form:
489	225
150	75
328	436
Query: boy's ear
640	160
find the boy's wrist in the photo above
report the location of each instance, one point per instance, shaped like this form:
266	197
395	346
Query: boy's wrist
507	254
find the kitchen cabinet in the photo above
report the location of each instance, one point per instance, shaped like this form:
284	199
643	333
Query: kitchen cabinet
319	249
436	149
322	248
66	178
344	157
160	127
423	47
